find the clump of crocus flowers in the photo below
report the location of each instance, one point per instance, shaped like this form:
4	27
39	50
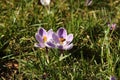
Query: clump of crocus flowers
49	39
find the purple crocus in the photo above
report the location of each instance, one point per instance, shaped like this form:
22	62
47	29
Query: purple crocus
112	26
112	78
62	40
43	37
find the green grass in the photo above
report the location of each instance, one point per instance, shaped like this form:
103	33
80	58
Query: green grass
96	51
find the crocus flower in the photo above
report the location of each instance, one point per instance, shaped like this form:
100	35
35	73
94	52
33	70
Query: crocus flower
43	37
62	40
112	26
45	2
112	78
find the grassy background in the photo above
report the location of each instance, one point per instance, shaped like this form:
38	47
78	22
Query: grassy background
96	51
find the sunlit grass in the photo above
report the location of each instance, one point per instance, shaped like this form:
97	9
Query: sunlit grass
96	50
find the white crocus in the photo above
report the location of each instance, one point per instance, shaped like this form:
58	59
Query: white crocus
45	2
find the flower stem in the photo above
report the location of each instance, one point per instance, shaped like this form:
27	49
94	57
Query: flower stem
47	57
61	53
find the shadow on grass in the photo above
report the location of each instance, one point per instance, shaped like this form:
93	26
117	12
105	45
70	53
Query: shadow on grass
86	53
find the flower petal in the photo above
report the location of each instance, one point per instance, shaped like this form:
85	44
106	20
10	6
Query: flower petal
45	2
68	47
55	38
38	38
41	45
50	45
42	32
49	34
69	38
62	33
113	26
60	47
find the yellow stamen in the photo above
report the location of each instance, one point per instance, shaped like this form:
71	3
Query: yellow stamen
61	40
44	38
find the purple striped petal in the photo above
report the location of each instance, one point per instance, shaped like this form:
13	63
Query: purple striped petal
62	33
55	38
49	34
69	38
68	47
41	45
38	38
42	32
60	47
50	45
